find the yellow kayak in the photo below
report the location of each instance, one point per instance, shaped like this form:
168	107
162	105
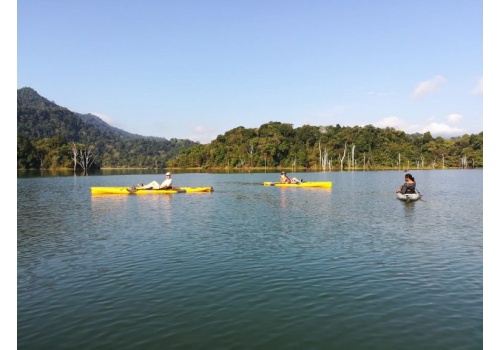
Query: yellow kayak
322	184
131	190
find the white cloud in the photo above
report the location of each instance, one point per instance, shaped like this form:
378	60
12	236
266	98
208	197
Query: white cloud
454	118
478	89
441	129
428	86
390	122
201	133
435	128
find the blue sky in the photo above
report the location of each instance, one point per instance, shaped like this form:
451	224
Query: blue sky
196	69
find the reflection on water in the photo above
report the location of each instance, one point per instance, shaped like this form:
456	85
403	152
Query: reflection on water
409	208
117	171
251	266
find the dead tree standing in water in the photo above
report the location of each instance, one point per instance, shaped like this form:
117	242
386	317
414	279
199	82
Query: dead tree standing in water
341	158
82	156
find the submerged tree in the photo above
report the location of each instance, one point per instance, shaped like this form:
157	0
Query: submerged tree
84	156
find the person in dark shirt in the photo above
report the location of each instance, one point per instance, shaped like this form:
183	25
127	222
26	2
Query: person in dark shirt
409	186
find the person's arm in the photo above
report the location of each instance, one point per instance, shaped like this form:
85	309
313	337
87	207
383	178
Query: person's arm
403	188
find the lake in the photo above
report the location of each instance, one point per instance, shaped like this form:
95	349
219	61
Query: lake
250	266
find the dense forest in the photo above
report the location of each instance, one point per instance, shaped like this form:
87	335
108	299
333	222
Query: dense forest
278	144
50	136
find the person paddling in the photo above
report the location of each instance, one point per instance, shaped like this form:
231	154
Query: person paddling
284	179
409	186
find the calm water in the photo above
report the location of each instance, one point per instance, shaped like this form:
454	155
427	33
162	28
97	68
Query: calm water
249	266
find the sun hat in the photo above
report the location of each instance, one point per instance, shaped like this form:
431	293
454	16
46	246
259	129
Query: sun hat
167	174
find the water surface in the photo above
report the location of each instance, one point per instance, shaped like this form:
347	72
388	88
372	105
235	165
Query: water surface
250	266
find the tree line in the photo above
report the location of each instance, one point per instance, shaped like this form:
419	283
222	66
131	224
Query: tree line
280	145
52	137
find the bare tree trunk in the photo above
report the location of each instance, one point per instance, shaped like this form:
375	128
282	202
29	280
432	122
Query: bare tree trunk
251	152
342	158
320	157
324	160
75	157
353	163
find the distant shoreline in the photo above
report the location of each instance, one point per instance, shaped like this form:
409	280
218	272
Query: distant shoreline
277	169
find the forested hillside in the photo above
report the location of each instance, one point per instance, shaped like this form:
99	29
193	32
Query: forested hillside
47	135
280	145
50	136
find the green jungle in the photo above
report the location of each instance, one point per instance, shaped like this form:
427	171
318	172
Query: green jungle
52	137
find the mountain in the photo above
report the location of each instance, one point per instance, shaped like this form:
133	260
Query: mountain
40	119
52	119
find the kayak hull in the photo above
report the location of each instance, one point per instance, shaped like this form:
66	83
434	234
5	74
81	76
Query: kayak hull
321	184
129	190
409	197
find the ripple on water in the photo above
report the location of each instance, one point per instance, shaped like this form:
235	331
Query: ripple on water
251	266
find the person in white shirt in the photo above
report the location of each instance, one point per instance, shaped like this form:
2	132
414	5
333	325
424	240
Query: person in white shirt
153	185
